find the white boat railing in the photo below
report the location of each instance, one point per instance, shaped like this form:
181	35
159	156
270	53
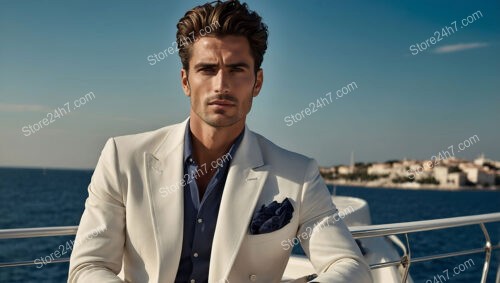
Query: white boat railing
358	232
406	228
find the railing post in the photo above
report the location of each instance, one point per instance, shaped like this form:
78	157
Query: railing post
487	251
406	260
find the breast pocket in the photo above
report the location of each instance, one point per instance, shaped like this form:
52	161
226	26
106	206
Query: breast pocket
266	254
279	235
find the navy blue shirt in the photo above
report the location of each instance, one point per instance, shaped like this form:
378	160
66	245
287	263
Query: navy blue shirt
200	216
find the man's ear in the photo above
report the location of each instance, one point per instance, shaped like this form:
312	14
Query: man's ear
259	80
185	82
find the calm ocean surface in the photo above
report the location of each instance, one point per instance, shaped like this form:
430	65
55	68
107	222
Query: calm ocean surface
36	198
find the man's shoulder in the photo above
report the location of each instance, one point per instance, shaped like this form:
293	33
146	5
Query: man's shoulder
148	134
145	141
275	154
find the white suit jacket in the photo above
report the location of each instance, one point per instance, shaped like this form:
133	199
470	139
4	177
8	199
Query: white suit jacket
132	228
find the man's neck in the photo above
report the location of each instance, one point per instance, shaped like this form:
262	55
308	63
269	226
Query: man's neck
210	143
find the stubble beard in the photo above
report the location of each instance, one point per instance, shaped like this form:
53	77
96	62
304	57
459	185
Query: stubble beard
221	120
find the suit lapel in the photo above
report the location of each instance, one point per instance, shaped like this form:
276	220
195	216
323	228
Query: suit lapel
164	169
244	183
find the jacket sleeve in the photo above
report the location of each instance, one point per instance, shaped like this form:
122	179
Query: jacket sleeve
99	244
327	241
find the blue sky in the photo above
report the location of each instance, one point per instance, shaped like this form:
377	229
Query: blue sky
53	52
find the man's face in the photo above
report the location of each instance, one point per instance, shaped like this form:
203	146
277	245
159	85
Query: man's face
221	81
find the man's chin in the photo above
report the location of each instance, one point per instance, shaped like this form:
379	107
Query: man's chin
220	121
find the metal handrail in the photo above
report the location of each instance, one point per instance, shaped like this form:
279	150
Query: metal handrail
358	232
38	232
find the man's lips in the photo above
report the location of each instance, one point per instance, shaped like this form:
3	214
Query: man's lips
221	103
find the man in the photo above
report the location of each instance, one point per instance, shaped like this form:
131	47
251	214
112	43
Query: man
208	200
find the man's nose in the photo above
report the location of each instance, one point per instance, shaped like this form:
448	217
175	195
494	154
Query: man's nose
221	83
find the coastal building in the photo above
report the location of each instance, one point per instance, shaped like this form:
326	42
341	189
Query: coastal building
456	179
380	169
327	170
480	176
483	161
399	169
427	165
441	174
344	170
479	161
449	179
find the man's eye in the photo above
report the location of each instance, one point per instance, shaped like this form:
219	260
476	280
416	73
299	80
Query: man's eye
207	70
237	70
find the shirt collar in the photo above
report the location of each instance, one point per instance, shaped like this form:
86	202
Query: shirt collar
188	144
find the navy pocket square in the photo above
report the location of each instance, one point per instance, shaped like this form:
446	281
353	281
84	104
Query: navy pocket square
271	217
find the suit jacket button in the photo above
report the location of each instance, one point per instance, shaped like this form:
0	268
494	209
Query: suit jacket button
253	277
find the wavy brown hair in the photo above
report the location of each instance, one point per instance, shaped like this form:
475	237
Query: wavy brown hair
218	19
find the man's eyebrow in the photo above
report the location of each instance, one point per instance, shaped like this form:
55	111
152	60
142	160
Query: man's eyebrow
204	65
212	65
239	64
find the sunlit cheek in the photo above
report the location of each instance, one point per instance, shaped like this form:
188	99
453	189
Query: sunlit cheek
244	78
196	103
